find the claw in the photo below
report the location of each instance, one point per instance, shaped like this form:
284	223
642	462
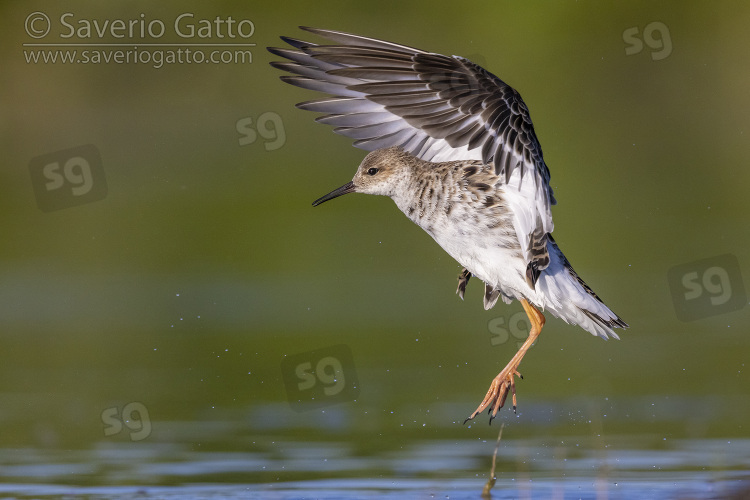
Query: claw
501	386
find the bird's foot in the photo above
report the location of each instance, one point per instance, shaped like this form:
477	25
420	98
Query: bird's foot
505	381
495	398
463	280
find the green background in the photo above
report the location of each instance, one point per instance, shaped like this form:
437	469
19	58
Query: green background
205	265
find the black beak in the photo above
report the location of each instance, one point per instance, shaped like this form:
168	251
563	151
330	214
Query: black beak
345	189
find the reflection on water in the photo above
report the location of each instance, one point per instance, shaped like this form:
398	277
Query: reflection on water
244	454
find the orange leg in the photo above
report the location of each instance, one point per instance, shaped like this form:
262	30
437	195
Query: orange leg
505	380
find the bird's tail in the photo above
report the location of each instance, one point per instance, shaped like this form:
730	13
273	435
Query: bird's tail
569	298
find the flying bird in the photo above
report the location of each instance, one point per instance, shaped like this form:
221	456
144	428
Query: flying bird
454	147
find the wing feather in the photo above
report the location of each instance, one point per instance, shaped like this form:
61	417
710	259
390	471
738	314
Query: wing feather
439	108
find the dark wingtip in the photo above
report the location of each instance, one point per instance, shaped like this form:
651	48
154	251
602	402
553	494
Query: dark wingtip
310	29
297	43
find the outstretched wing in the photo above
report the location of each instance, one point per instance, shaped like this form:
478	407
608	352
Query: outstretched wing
437	108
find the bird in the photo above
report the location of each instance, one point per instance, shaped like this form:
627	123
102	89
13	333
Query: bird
454	147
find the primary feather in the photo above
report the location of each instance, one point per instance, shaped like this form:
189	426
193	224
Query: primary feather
436	107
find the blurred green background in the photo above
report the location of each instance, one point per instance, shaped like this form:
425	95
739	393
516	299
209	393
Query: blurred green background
205	266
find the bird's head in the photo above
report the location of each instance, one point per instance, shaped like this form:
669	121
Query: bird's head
379	173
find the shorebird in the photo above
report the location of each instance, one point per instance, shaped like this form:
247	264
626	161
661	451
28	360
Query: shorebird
454	147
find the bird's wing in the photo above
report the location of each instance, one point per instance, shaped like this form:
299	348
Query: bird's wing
435	107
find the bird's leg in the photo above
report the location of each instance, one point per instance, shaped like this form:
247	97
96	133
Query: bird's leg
505	380
463	280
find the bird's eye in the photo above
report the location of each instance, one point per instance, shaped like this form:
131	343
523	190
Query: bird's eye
372	171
